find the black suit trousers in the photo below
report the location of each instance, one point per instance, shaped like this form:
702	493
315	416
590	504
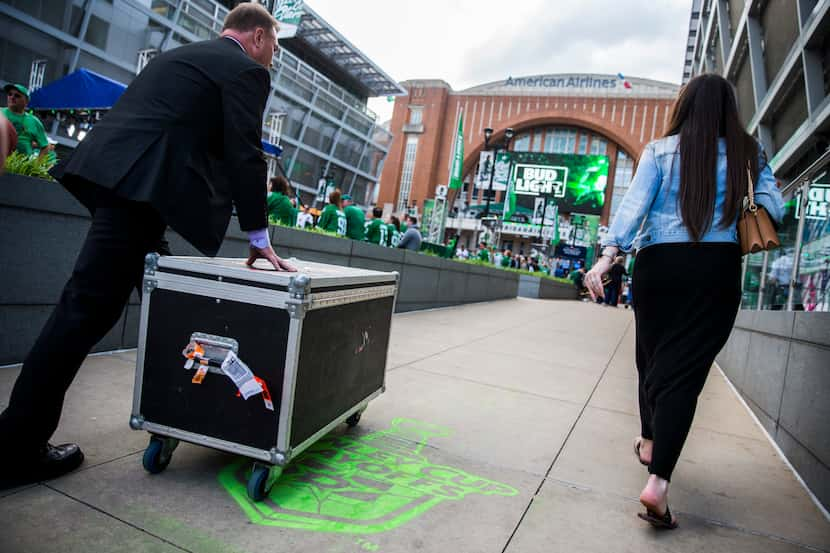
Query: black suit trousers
108	268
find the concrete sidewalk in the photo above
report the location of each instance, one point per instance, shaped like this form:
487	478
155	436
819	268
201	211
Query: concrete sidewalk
518	415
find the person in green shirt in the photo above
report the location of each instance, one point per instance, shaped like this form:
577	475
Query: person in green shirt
394	226
355	219
332	219
483	252
31	136
376	230
505	261
280	209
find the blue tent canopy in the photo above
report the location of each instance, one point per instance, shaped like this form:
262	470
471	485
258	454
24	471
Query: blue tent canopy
82	89
85	89
271	149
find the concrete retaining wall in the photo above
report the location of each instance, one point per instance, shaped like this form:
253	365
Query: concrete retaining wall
780	363
43	227
545	288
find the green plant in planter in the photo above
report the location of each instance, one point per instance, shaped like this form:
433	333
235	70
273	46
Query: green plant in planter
20	164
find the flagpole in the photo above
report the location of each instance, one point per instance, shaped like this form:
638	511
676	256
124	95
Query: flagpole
452	193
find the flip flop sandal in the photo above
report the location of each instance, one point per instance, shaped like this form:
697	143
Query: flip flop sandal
637	443
666	521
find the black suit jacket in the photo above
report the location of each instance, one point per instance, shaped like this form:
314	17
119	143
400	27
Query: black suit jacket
184	137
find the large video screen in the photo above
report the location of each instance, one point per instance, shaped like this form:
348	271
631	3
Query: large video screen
576	183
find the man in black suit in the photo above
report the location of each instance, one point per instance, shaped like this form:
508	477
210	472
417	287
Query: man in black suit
179	148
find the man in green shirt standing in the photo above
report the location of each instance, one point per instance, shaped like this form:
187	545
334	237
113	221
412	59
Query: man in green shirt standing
355	219
31	136
376	230
332	219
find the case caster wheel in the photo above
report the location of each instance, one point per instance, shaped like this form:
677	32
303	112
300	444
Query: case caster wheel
262	480
158	454
353	419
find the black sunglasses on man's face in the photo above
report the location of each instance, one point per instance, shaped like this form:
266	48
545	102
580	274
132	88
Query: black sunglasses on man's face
15	95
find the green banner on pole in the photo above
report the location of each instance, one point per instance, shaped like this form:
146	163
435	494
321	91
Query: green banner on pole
554	240
458	157
510	201
289	14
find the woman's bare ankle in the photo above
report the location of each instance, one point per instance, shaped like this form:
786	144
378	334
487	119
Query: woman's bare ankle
655	496
646	449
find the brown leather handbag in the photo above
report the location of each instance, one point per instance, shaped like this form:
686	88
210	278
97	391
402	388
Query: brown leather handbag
755	230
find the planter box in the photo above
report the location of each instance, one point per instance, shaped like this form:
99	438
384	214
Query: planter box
545	288
43	229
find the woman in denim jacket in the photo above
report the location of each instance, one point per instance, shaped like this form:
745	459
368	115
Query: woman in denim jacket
681	213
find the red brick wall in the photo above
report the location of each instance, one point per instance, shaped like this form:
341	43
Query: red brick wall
627	123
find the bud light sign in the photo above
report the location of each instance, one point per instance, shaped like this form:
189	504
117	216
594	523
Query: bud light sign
540	180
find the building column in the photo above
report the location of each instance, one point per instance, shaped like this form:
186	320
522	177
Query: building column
723	30
88	6
756	61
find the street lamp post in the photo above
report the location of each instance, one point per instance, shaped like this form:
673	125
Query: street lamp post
488	134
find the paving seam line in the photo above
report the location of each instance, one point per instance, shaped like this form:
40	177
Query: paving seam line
775	446
727	434
112	352
499	331
686	514
567	437
119	519
496	386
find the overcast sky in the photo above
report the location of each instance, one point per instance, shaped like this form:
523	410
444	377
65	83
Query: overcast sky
471	42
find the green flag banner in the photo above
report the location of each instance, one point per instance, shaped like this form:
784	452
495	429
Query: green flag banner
510	201
458	156
289	14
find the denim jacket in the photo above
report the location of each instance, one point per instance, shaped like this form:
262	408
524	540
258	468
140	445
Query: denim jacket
650	211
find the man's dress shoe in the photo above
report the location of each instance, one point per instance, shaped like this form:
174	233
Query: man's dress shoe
49	462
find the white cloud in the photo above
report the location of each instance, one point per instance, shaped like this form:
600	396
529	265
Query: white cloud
470	42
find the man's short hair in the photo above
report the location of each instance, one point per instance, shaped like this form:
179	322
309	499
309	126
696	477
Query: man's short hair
248	16
413	219
377	212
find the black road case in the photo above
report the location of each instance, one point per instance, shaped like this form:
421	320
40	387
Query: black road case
256	362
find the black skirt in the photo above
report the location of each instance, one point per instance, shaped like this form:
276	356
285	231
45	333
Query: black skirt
685	298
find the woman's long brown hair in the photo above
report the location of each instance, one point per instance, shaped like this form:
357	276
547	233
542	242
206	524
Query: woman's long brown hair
706	110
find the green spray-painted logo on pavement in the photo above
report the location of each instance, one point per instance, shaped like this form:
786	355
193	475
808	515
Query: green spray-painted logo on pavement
360	485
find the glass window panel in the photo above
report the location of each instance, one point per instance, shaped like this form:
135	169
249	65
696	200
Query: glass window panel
307	168
329	105
359	122
599	146
583	144
811	293
521	143
407	172
752	280
348	148
294	114
780	263
361	190
319	134
416	115
96	32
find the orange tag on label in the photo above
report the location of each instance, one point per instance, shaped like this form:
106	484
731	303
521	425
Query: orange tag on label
200	374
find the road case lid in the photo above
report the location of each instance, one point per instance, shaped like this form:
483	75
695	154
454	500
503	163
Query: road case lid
321	275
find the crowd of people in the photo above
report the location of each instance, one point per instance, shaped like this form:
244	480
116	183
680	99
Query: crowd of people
342	217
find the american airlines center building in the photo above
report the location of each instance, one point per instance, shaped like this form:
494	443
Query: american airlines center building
588	129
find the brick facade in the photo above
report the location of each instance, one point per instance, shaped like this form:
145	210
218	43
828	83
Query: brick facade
627	119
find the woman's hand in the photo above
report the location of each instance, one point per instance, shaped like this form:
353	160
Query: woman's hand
593	279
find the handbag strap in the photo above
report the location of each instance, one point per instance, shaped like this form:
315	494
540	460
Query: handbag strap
752	207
